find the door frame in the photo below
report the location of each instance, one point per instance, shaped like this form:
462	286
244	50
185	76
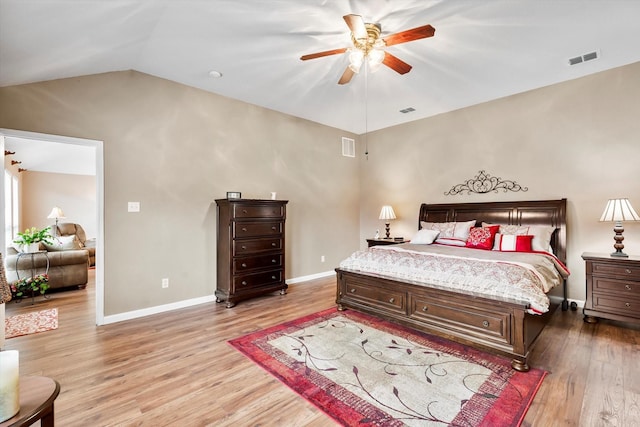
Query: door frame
99	159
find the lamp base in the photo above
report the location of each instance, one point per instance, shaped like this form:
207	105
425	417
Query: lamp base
386	225
619	254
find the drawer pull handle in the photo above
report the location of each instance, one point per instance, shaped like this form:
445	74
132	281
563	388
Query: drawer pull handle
628	271
485	323
273	244
392	300
244	228
244	211
627	304
244	283
274	228
627	287
243	247
425	308
353	291
273	261
244	265
273	277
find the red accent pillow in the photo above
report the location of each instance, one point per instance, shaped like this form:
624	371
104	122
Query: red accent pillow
482	237
515	243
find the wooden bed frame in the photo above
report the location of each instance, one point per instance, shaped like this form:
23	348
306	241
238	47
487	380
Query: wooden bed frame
501	326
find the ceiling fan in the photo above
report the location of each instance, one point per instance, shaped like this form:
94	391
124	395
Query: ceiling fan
367	44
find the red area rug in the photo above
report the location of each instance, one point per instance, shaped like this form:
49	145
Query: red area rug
31	323
363	371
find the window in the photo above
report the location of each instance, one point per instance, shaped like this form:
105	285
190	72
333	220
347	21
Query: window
11	207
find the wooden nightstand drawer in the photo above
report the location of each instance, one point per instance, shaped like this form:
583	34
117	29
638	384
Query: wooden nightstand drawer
629	307
623	288
621	270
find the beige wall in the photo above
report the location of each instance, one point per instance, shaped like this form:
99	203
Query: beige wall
176	149
74	194
576	140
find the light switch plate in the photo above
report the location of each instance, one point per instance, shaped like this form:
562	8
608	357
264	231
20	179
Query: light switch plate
133	207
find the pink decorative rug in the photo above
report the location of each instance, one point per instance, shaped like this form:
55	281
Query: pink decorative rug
31	323
364	371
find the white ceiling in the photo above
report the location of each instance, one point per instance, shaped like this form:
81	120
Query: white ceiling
482	49
52	157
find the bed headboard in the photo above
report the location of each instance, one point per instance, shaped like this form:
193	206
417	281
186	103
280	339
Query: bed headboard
536	212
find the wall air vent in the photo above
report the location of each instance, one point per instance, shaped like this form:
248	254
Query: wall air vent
584	58
348	147
407	110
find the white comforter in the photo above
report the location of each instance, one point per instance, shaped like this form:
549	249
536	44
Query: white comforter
511	276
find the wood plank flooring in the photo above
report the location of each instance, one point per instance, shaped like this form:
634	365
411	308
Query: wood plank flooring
176	369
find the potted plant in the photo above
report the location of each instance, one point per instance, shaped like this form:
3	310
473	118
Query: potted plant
31	237
30	286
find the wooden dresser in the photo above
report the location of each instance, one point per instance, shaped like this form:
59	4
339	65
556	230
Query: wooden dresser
250	250
613	288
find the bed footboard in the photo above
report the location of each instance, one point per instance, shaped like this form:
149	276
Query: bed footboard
501	327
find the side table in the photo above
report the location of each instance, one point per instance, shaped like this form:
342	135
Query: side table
34	269
37	395
377	242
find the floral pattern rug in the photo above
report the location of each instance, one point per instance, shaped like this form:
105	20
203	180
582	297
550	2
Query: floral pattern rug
363	371
31	323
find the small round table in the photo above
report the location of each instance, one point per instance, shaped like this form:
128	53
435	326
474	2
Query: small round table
36	402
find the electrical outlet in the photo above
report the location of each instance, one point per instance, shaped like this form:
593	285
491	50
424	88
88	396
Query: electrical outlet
165	283
322	258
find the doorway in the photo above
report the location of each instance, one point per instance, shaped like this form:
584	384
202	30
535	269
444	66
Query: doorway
98	157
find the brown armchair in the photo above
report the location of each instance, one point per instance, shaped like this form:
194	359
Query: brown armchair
71	229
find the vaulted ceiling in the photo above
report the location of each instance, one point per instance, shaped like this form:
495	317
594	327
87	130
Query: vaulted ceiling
482	49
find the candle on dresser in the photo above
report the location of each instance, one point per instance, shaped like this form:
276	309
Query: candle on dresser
9	384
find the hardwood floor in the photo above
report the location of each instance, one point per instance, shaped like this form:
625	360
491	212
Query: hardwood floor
177	368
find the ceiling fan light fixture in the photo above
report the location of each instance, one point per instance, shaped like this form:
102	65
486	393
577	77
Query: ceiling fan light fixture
356	57
375	58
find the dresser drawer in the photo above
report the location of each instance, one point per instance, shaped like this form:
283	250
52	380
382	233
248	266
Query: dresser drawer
379	297
242	247
242	265
619	270
622	306
448	315
254	229
251	281
621	288
258	211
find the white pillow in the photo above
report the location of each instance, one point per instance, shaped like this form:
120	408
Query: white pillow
424	237
455	230
63	243
541	234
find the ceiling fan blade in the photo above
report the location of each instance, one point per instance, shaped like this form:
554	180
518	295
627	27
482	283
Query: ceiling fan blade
356	25
321	54
346	76
396	64
410	35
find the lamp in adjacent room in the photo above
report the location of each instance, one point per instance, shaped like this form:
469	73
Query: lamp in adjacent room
619	210
387	214
56	213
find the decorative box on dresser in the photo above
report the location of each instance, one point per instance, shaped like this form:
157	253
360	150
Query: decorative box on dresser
613	288
250	248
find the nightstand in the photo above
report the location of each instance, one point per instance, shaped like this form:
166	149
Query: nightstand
377	242
613	288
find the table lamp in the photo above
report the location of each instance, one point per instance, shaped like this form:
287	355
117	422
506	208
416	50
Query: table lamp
56	213
387	214
619	210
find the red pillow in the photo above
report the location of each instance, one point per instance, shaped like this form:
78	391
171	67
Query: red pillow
482	237
515	243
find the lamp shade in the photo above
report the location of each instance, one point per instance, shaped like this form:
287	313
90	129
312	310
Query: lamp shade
619	210
56	213
387	213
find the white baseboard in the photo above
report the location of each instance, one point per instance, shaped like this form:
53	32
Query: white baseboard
129	315
311	277
157	309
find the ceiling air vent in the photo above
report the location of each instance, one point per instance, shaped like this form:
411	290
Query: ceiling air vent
583	58
407	110
348	147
